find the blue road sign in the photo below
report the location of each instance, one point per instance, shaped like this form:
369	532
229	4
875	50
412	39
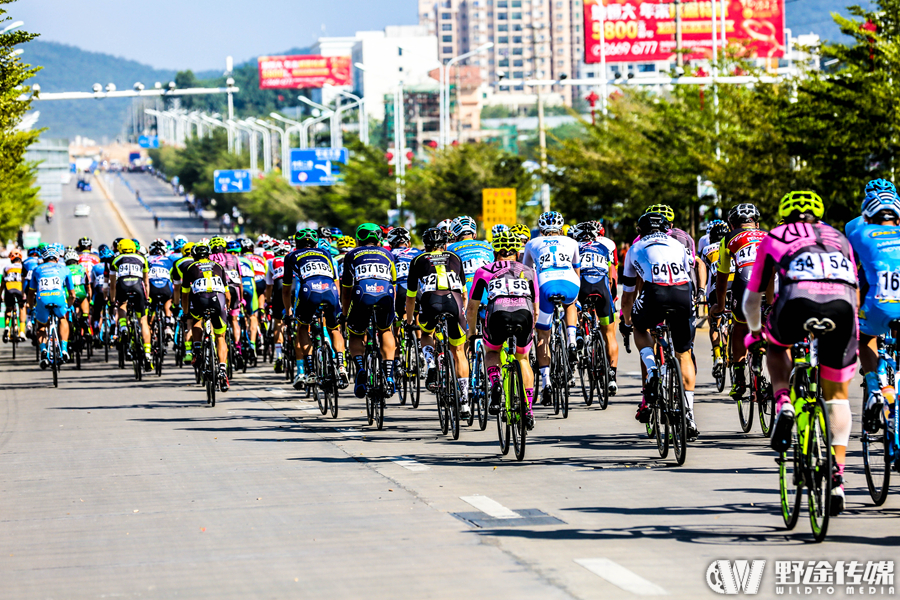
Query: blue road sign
148	141
230	182
317	166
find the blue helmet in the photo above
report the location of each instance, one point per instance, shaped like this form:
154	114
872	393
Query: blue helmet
336	232
233	246
105	252
49	251
879	185
179	244
879	200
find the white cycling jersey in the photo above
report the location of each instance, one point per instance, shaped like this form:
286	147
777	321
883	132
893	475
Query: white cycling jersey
553	257
658	259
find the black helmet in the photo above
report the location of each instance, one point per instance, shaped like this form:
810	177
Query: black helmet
434	237
717	231
247	246
652	222
743	213
200	251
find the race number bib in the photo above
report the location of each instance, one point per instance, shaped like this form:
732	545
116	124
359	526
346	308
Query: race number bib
207	285
505	287
671	273
234	275
746	256
554	258
130	270
247	270
159	273
316	269
278	272
473	264
888	286
49	284
402	269
14	276
595	262
831	266
373	271
77	279
441	282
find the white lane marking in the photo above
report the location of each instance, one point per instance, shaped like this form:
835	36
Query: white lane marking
349	432
408	463
621	577
490	507
278	391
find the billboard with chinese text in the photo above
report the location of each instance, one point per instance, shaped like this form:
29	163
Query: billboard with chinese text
645	31
298	72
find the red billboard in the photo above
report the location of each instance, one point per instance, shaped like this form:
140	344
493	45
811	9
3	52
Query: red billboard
297	72
645	31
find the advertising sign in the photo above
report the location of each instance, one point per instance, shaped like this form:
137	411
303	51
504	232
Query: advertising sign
498	205
298	72
637	31
317	166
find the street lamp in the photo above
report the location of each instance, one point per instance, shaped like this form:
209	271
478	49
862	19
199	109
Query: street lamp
267	142
292	125
445	90
11	26
285	151
363	118
324	109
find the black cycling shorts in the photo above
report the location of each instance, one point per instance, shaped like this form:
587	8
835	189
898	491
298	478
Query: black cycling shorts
216	302
499	325
433	304
161	295
738	286
11	296
597	295
362	308
669	304
133	295
276	302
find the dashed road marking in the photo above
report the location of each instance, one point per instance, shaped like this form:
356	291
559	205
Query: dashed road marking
621	577
408	463
490	507
278	391
349	432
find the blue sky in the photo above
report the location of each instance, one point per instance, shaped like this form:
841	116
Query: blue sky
199	34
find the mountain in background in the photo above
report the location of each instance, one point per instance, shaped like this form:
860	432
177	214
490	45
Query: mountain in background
68	68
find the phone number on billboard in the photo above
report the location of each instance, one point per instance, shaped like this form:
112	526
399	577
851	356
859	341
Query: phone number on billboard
635	48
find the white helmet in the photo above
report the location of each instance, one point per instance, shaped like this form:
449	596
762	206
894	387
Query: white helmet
463	225
551	221
446	225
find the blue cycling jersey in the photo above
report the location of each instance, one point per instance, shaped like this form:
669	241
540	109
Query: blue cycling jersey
877	249
161	272
402	259
50	280
473	254
595	262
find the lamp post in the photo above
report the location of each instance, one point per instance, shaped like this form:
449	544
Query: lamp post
254	149
292	125
304	131
267	142
445	90
285	157
324	109
363	115
363	120
11	26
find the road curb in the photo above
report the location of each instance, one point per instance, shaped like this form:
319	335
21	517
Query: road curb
126	223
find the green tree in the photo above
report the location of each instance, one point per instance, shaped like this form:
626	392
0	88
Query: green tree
18	198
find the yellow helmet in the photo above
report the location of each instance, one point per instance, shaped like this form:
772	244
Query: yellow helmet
565	229
346	242
520	230
663	209
796	203
127	246
186	249
506	242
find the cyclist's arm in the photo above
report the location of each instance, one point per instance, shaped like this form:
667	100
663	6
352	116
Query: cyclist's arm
723	270
286	296
630	280
70	286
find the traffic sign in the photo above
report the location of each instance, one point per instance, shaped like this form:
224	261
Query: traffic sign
498	205
148	141
317	166
230	182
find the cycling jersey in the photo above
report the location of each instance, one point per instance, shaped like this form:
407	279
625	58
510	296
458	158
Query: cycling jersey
403	257
79	280
180	268
817	280
99	278
877	249
474	254
710	256
737	252
50	282
511	290
161	274
274	277
130	269
13	276
259	272
438	279
88	259
28	265
205	281
230	265
369	276
596	267
683	238
554	258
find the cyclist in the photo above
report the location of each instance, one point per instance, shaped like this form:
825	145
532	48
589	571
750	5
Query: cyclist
99	278
657	286
274	283
129	283
523	233
368	287
708	267
556	260
437	280
817	282
399	241
596	290
679	234
49	290
316	285
13	278
178	247
243	250
203	287
875	237
512	296
740	247
86	257
497	229
82	287
178	270
218	249
162	288
446	226
473	253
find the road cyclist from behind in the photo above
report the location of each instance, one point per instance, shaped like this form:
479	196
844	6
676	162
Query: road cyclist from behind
218	249
49	290
99	277
13	292
243	250
556	260
309	271
82	286
178	271
367	288
85	256
399	240
875	237
817	283
709	268
473	253
737	256
274	283
512	306
162	289
203	288
129	285
656	283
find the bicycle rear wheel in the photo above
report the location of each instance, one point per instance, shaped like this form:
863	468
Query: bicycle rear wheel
745	412
160	345
819	462
676	412
720	372
790	482
482	389
519	404
601	372
658	421
414	370
586	376
505	415
765	399
77	343
452	391
877	462
54	360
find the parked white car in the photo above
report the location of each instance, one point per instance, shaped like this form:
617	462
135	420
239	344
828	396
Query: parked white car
82	210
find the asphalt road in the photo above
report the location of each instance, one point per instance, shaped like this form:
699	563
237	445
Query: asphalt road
112	488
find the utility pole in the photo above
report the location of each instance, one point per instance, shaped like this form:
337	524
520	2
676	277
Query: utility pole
679	57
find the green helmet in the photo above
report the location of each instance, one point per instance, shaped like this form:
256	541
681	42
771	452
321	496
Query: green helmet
305	238
368	232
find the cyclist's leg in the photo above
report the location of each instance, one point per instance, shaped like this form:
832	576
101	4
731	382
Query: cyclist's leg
524	318
428	312
739	330
306	303
235	313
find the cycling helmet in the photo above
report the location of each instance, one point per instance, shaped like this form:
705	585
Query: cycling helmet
880	201
306	238
115	244
717	230
60	249
585	232
880	185
505	242
48	252
795	204
127	246
34	251
178	244
180	238
652	222
743	213
397	236
324	233
550	221
142	251
346	243
434	237
85	243
522	231
463	225
601	228
71	257
281	249
106	253
445	225
15	254
498	228
663	209
216	242
368	232
186	250
200	251
158	248
247	246
234	246
336	233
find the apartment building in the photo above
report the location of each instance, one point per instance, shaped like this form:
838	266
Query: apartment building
540	39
